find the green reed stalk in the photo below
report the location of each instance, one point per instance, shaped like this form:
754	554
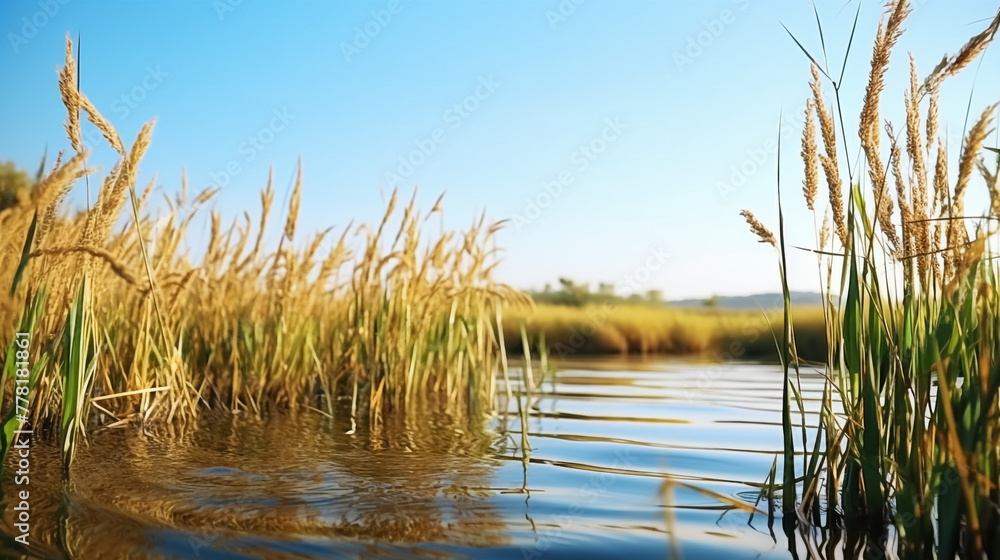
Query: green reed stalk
30	317
10	422
78	368
788	489
527	379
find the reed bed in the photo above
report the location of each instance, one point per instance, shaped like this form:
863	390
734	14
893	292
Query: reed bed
914	335
126	328
720	334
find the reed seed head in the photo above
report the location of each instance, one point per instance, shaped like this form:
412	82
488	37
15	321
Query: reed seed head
759	229
810	185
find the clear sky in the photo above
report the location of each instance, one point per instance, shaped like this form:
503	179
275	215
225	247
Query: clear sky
490	101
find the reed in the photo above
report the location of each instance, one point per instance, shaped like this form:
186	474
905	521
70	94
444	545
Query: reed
130	330
907	431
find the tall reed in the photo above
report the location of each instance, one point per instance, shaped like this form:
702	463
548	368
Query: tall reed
131	330
908	427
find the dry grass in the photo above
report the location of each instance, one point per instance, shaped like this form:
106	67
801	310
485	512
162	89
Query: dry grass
722	334
378	313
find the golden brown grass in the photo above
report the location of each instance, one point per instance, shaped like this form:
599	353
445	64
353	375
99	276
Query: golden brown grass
722	334
379	313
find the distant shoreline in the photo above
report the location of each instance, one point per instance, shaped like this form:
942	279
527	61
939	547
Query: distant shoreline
718	333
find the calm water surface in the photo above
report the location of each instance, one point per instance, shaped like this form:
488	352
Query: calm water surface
603	435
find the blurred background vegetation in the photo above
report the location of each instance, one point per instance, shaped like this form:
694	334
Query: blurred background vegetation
15	185
576	320
570	292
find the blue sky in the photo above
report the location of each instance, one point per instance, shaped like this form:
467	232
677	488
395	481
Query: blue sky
636	128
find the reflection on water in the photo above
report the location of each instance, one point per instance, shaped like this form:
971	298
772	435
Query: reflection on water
603	435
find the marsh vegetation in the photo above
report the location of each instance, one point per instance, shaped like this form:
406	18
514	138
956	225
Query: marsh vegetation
393	344
912	441
130	329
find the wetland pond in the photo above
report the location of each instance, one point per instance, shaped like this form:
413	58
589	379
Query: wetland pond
603	434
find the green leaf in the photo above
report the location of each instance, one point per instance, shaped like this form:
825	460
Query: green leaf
29	319
25	255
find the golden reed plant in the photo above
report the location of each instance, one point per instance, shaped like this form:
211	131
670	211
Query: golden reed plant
380	314
909	427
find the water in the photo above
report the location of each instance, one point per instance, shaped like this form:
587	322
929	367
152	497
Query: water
603	436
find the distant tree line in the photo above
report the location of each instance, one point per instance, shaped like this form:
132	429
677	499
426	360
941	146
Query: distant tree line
15	185
572	293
